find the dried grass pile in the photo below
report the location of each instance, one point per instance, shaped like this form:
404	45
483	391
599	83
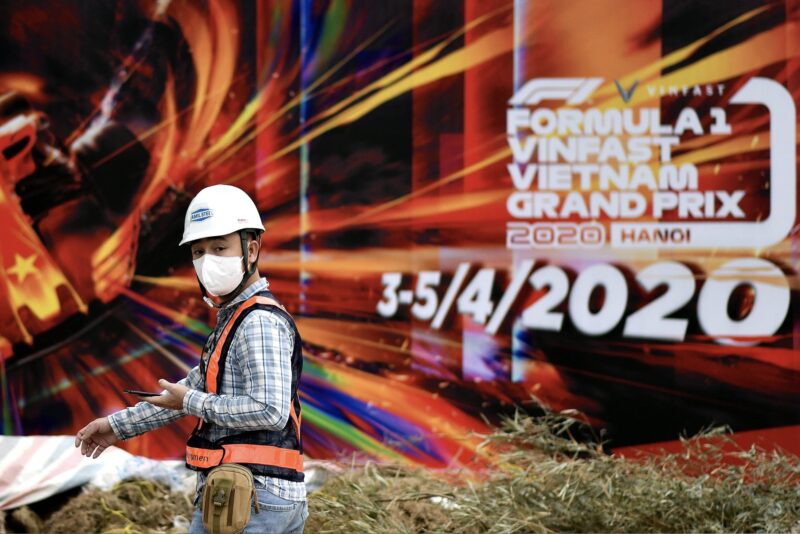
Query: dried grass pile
546	481
131	507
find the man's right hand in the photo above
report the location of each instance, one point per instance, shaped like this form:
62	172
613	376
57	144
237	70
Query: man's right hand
95	437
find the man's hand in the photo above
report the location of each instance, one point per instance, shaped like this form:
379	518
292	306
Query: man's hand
95	437
172	399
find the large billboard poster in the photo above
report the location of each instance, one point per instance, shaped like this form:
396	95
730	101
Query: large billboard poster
467	203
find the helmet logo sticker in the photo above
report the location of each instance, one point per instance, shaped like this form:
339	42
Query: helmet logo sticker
201	215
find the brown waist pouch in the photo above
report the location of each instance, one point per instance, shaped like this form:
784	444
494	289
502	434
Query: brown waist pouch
226	498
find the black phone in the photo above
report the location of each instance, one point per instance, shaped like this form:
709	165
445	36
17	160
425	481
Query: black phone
142	393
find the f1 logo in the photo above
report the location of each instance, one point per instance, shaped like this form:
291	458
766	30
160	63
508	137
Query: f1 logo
573	91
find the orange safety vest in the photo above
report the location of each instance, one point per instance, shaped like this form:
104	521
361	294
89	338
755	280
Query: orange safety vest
255	449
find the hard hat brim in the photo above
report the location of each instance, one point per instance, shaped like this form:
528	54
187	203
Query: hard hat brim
216	233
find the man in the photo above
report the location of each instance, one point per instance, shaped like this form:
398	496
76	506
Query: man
245	389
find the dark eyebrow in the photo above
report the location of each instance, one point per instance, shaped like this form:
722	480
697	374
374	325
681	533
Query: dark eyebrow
214	241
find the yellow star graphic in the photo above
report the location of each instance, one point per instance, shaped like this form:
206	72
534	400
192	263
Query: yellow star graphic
23	267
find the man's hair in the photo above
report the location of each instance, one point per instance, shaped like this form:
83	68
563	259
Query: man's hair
252	235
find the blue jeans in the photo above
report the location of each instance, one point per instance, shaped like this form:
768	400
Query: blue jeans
277	516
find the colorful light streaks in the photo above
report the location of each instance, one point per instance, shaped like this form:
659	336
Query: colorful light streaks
375	147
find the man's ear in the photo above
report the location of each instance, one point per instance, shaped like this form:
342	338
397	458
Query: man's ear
253	247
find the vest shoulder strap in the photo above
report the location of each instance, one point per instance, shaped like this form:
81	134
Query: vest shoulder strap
258	300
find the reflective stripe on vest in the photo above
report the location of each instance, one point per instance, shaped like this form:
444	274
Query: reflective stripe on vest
245	454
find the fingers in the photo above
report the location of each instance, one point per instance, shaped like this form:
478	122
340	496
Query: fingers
84	433
155	401
86	446
92	449
91	439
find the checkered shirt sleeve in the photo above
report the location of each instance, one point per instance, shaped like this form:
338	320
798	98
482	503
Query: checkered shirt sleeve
144	417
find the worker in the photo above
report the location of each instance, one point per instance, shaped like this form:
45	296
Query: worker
244	392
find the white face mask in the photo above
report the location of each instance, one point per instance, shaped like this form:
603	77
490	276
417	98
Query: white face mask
219	274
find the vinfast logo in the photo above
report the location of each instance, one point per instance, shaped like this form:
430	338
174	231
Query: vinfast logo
201	215
588	173
626	94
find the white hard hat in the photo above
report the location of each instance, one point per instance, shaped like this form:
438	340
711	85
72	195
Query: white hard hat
220	210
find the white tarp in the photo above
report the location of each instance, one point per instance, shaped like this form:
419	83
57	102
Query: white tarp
33	468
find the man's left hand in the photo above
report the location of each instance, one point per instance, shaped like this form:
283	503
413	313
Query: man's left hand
172	399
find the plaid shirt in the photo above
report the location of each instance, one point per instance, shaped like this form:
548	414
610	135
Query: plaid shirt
255	391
